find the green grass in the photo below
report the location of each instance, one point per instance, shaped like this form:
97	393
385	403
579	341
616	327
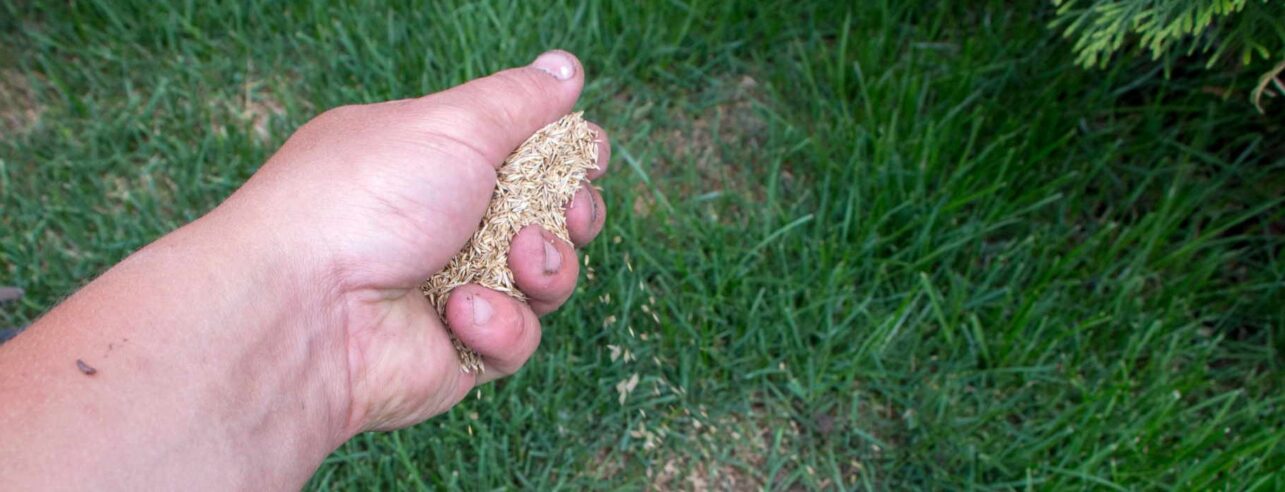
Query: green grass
886	245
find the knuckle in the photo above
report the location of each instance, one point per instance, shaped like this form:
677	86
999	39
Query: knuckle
339	113
563	285
530	337
525	85
536	332
511	336
519	342
339	118
525	81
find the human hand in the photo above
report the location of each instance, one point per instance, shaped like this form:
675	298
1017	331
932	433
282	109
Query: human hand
371	200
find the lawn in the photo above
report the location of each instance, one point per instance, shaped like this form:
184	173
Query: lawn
868	246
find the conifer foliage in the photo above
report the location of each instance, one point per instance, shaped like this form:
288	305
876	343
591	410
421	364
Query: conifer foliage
1248	31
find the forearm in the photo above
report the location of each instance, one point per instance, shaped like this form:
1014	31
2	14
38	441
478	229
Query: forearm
204	363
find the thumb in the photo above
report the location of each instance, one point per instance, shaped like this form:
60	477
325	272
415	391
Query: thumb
489	117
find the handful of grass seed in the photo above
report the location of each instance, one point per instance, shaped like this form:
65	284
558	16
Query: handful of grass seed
533	186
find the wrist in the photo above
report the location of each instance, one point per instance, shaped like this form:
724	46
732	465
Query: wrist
273	380
293	317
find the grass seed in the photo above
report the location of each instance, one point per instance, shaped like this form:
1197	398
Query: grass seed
533	186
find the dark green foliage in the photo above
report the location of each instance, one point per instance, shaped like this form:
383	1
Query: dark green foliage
1212	30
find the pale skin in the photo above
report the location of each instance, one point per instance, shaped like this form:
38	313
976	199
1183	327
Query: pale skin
239	350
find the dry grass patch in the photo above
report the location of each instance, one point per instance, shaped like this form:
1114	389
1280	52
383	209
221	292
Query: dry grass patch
19	110
254	108
732	122
728	452
719	144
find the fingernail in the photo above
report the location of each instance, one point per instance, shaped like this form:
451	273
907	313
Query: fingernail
603	153
481	311
557	64
552	258
593	205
